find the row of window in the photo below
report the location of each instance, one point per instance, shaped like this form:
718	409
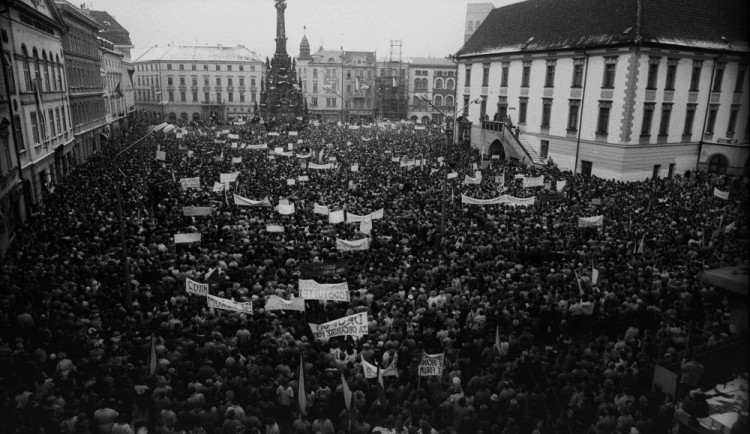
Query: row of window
206	81
43	130
47	71
85	112
332	103
437	101
80	43
608	80
146	96
603	117
333	73
83	75
193	67
420	84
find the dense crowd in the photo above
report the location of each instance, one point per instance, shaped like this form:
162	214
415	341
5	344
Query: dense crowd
532	345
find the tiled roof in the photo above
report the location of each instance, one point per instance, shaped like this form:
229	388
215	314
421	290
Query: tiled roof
325	56
368	56
197	53
541	25
434	62
111	29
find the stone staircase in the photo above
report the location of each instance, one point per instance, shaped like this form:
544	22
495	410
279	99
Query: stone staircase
523	140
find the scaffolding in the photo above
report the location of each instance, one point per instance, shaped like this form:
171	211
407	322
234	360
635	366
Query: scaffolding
392	83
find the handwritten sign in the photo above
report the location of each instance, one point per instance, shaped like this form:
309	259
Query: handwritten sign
324	268
196	288
275	302
312	290
431	364
352	325
215	302
190	183
590	222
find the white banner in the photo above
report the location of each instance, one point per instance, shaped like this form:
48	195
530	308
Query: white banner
517	201
504	199
352	325
225	304
190	183
291	181
187	238
353	218
273	134
303	178
320	166
345	245
293	133
533	182
260	147
275	302
195	211
336	217
589	222
353	127
228	177
274	228
365	226
243	201
312	290
431	364
303	156
219	187
561	185
721	194
286	209
355	167
470	180
451	175
161	155
320	209
371	371
197	288
236	160
233	136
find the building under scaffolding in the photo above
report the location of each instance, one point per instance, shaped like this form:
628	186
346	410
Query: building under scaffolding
392	73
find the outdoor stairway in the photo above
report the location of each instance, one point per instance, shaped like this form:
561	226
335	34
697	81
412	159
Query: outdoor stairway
535	158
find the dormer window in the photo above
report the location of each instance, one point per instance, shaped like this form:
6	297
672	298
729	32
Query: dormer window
107	23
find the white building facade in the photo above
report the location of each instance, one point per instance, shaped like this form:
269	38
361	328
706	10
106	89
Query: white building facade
624	106
435	78
197	83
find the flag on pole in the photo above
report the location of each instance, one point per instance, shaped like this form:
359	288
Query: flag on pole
152	358
395	84
594	273
301	391
347	392
497	337
381	388
356	84
578	281
640	246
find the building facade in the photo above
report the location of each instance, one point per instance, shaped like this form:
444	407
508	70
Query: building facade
338	85
196	83
115	34
435	78
113	75
39	106
82	66
475	16
635	94
392	86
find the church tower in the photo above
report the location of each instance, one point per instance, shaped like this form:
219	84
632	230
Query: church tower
281	96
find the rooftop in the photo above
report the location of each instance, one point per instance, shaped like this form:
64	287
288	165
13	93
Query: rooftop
111	30
543	25
211	53
435	62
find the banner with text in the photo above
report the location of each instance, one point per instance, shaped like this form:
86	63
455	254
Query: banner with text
352	325
353	218
231	305
315	269
225	178
320	209
187	238
190	183
431	364
197	288
195	211
346	245
590	222
275	302
243	201
312	290
721	194
533	182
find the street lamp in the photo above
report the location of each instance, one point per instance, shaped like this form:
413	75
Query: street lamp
448	138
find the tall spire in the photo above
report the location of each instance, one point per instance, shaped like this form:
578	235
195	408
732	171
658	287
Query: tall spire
280	28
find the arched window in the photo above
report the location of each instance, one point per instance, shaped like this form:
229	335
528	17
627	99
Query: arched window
417	84
37	71
439	83
449	84
184	116
425	120
413	119
417	102
438	100
718	164
471	26
196	117
59	73
424	83
449	101
26	69
47	67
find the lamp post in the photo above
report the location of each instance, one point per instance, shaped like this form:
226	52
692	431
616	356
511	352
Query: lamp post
448	139
126	265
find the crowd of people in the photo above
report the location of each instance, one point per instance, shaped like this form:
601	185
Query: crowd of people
533	342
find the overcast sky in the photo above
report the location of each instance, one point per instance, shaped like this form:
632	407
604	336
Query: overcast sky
425	27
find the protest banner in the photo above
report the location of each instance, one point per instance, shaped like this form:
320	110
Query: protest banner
320	209
187	238
504	199
225	178
589	222
215	302
561	184
236	160
234	145
243	201
196	288
312	290
293	133
550	197
291	181
190	154
320	166
365	226
352	325
303	178
273	134
303	156
219	187
290	147
286	209
195	211
533	182
470	180
431	364
336	217
187	183
161	155
316	269
274	228
371	371
353	218
233	136
721	194
345	245
517	201
451	175
260	147
355	167
275	302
